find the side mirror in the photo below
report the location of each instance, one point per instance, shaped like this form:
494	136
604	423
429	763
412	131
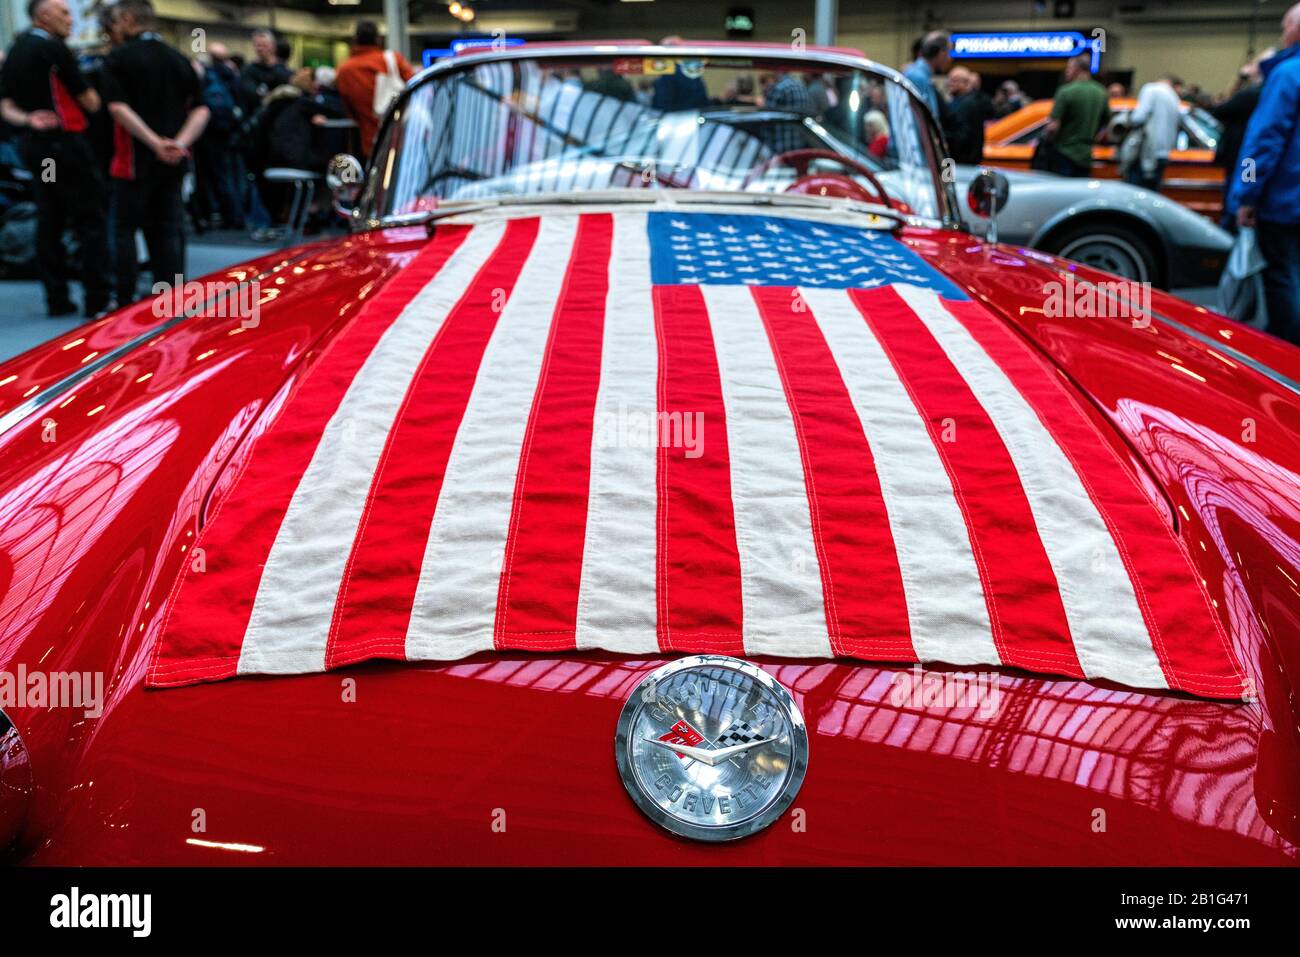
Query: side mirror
987	196
344	177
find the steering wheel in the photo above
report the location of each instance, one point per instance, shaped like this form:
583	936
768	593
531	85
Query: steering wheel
645	174
800	160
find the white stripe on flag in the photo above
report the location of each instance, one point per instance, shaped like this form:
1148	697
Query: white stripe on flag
616	599
289	625
784	611
946	610
1106	625
454	613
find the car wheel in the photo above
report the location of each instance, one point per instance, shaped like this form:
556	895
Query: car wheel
1110	248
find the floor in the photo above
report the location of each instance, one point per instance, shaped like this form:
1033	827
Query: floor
24	324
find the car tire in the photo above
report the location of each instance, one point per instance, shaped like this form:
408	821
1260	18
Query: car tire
1111	248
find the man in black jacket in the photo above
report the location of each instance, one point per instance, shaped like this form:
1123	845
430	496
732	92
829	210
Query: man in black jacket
292	126
153	94
964	117
1235	113
45	94
263	73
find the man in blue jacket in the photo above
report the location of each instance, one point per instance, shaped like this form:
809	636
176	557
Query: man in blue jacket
932	57
1266	191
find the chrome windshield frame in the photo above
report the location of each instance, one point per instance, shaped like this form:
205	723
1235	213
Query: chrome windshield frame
945	190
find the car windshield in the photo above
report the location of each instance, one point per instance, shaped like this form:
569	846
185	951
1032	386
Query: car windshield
563	125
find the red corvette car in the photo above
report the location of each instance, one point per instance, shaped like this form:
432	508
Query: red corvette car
652	479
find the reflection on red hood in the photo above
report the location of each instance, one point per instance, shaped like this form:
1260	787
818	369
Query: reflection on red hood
414	769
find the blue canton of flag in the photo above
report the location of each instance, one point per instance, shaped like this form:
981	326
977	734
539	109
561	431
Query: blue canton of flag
733	250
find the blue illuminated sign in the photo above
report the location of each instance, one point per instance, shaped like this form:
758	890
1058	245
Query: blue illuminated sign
1014	46
475	43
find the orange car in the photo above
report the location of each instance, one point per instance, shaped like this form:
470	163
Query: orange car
1191	177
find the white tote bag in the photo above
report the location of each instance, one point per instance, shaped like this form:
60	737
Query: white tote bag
387	85
1241	287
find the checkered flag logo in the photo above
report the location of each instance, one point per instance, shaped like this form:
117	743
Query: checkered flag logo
741	733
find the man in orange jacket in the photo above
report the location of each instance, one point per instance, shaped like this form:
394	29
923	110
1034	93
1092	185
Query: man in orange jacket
359	74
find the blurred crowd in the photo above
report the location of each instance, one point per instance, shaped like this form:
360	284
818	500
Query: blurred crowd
143	139
857	110
1258	147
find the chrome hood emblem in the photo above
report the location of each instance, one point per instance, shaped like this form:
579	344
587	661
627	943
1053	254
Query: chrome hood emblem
711	747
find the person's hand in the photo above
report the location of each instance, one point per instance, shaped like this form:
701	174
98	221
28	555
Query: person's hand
43	120
170	152
319	119
1246	217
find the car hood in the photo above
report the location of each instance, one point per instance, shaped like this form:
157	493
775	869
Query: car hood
414	762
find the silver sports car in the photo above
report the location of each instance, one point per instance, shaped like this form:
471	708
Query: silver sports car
1122	229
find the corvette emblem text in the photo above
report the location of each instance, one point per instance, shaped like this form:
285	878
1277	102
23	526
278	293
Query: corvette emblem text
711	747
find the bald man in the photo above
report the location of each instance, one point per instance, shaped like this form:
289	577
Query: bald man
1266	189
963	120
46	96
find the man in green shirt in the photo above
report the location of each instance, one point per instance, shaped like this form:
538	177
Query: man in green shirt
1080	110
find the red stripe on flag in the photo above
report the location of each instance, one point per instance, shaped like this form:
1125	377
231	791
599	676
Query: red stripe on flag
538	603
1188	637
204	628
698	564
1029	624
866	610
378	590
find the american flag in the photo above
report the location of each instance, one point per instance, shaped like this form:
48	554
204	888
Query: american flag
884	472
767	251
